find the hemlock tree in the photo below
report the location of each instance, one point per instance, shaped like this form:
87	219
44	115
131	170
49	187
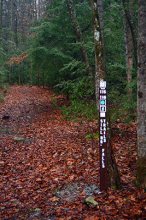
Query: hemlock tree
78	33
141	95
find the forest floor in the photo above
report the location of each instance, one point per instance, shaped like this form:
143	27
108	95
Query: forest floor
48	166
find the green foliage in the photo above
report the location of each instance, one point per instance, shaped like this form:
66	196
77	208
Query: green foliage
115	47
1	97
122	108
55	57
78	109
79	88
56	53
3	70
92	136
38	55
3	90
54	103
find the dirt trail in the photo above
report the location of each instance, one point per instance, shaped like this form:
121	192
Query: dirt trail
49	155
48	166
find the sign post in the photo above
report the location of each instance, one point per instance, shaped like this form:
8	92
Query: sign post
104	175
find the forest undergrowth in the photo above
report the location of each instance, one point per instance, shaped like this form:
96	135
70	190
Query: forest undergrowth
49	166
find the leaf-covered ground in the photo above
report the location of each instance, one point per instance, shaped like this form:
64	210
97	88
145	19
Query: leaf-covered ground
48	166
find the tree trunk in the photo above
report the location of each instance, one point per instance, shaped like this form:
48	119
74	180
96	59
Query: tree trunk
78	33
112	175
6	23
14	21
141	94
130	42
38	77
129	53
1	9
97	9
115	180
128	17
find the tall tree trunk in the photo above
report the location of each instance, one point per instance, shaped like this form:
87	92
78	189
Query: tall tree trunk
130	41
78	33
141	94
131	26
129	58
6	24
14	21
100	74
1	9
97	9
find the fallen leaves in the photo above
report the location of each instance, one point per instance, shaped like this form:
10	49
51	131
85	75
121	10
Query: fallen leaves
55	156
17	59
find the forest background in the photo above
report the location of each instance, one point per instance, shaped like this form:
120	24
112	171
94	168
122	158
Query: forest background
39	46
61	46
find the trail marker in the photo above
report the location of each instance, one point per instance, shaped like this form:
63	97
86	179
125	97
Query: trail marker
104	176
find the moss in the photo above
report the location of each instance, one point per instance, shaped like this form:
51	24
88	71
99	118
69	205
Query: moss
141	172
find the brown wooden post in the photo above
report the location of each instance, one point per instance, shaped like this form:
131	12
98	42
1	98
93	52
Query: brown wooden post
103	151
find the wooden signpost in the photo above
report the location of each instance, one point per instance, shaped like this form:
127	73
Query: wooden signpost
104	175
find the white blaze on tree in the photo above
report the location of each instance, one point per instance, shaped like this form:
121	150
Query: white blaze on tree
98	42
96	35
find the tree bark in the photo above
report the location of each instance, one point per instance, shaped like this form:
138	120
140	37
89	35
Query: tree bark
97	9
78	34
1	9
141	94
100	74
131	26
128	12
14	21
